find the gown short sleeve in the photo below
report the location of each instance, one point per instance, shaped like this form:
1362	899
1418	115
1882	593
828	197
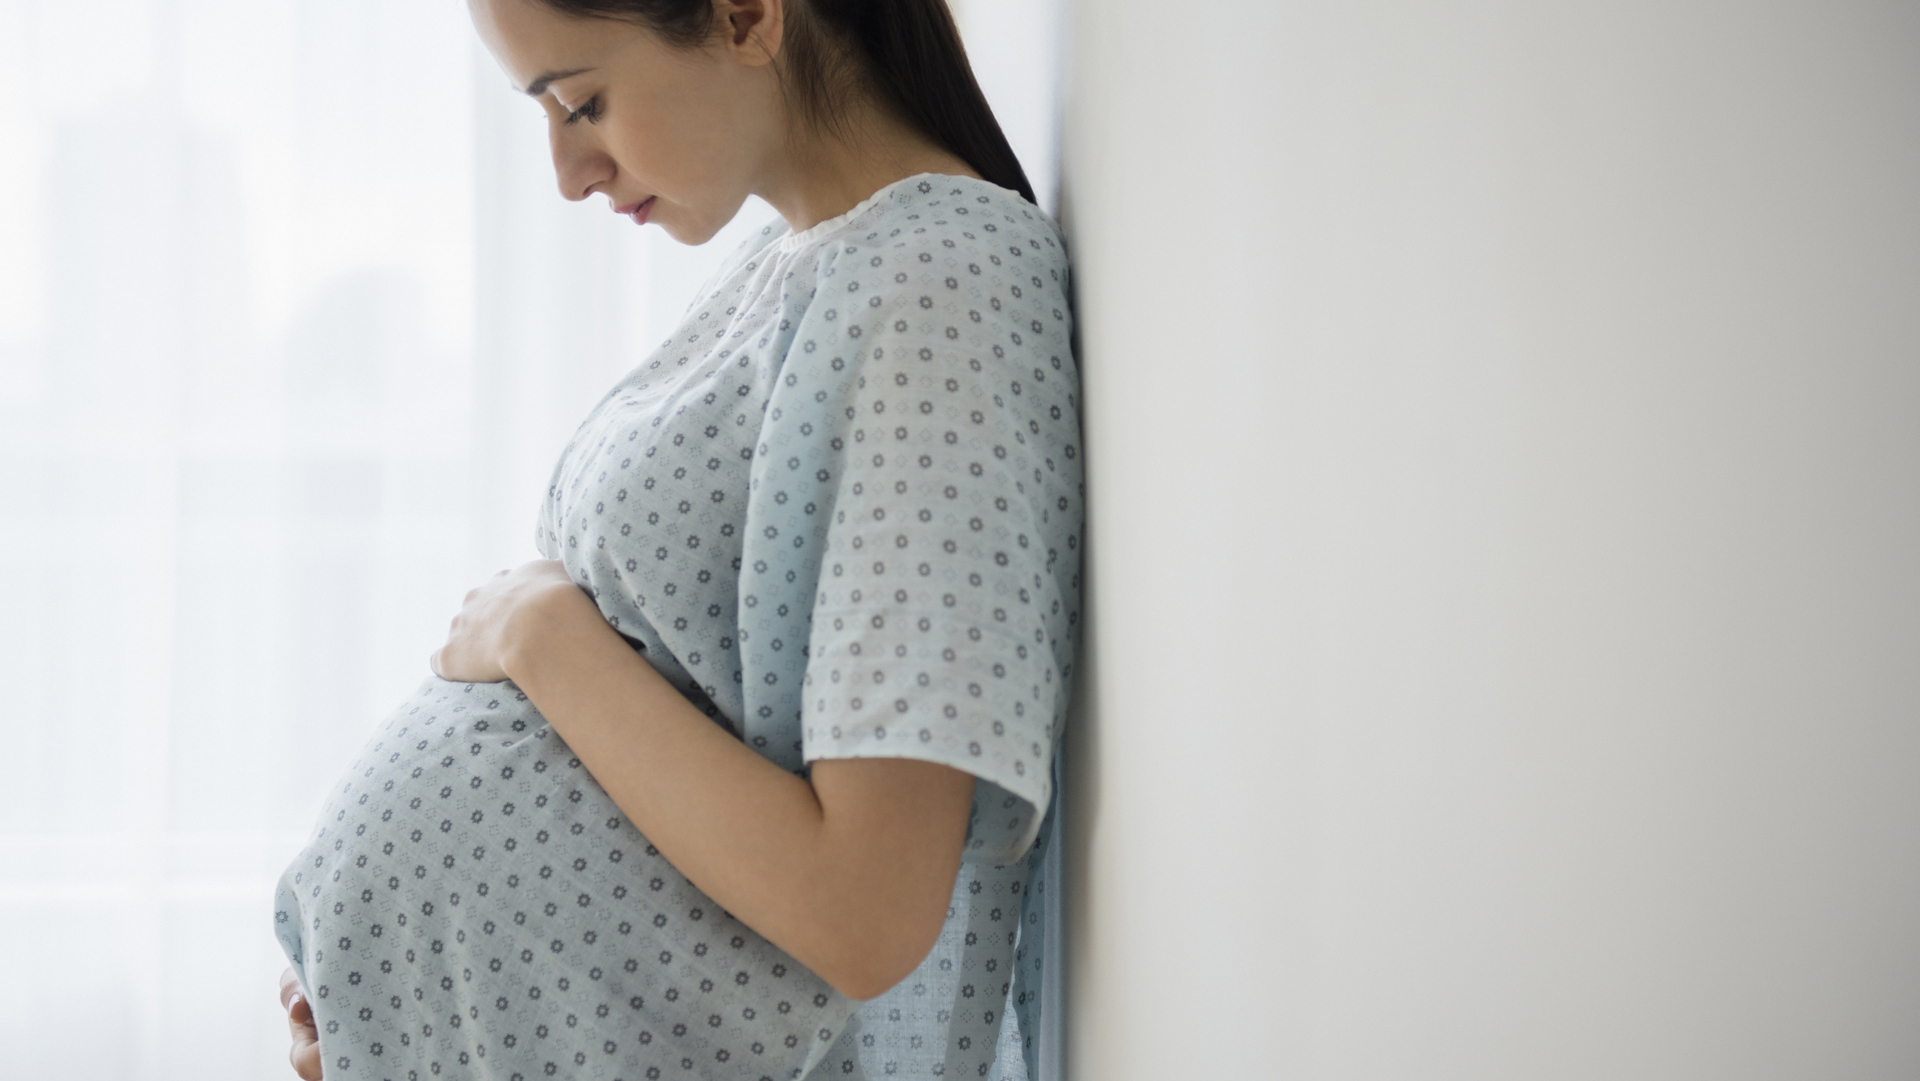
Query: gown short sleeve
928	406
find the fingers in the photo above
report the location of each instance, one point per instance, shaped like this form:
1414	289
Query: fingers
304	1055
289	988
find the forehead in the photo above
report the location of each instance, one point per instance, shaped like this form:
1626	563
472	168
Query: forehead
532	41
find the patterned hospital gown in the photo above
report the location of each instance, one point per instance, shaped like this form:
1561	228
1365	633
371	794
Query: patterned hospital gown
840	509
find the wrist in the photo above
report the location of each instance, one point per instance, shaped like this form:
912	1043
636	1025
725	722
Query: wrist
551	623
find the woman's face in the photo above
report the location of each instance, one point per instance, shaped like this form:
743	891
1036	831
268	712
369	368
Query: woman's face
670	135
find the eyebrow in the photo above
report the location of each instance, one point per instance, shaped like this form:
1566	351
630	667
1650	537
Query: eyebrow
539	86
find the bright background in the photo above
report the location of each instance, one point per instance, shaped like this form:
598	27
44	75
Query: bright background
1503	475
293	325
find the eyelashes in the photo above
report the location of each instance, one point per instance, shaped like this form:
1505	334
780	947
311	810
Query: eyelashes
589	112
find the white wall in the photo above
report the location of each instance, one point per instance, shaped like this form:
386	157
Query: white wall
1503	423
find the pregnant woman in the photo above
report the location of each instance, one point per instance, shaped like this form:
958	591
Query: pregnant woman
744	779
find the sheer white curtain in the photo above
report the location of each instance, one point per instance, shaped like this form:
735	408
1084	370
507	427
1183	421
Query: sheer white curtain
292	326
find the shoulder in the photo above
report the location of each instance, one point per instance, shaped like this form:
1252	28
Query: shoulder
950	261
953	217
935	310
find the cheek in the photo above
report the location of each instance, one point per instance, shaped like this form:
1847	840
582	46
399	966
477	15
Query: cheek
678	142
644	148
697	176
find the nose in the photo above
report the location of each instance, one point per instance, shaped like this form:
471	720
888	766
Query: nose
578	165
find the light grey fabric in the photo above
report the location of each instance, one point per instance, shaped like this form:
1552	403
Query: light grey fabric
840	509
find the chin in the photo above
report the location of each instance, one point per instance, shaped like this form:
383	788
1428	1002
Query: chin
688	235
694	228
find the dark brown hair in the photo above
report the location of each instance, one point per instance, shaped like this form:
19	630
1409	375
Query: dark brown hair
907	53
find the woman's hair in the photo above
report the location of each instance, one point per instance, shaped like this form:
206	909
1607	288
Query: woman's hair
906	53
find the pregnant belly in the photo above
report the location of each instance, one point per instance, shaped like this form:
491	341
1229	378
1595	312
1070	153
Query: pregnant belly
473	904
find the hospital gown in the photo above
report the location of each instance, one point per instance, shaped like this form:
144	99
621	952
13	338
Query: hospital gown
840	510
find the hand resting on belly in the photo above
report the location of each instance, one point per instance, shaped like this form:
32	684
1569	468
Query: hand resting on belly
474	900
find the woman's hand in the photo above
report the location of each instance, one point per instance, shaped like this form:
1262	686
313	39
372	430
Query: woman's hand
305	1054
494	620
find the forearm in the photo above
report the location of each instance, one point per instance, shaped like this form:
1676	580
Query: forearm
816	876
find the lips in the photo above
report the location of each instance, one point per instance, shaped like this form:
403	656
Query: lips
639	211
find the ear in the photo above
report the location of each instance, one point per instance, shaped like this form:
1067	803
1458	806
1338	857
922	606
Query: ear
751	30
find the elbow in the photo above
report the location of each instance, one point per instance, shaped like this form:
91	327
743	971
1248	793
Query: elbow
869	965
861	989
867	981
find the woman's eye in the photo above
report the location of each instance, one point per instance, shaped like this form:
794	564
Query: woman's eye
589	112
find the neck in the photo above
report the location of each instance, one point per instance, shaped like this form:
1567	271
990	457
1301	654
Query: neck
821	175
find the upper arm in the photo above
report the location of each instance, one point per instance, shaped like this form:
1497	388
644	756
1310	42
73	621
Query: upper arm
927	417
895	826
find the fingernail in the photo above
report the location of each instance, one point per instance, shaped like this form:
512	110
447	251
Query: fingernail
296	1000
